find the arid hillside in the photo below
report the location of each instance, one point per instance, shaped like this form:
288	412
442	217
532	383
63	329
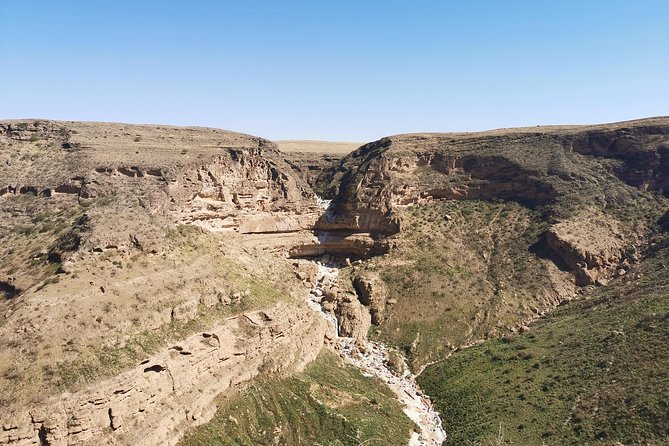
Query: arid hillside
143	274
484	232
154	284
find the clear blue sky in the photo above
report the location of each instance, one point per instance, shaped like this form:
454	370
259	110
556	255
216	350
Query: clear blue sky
340	70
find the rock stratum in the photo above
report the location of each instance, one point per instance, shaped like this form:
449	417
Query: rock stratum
163	395
565	171
140	278
148	274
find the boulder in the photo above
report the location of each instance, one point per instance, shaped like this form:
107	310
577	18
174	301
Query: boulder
372	292
354	319
306	271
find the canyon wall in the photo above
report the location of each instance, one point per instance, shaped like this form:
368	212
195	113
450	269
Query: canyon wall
155	402
563	171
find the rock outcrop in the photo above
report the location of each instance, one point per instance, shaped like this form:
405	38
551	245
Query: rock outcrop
156	401
112	228
216	179
373	293
106	240
353	317
591	247
353	245
557	169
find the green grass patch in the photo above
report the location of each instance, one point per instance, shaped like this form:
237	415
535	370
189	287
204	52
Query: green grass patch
328	404
595	372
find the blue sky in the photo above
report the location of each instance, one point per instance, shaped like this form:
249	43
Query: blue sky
339	70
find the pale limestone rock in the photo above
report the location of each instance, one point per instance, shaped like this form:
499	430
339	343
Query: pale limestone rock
155	402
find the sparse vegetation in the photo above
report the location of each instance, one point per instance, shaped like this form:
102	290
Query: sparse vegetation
462	270
96	278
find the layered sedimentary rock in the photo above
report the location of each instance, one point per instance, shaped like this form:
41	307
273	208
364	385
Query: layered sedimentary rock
105	241
122	259
153	403
217	179
557	169
343	244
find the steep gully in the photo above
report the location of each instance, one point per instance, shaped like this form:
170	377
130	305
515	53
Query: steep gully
371	358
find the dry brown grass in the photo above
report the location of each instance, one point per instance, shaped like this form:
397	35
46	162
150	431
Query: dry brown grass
329	147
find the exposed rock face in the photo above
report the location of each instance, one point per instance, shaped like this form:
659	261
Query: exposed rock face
219	180
147	178
372	292
155	402
353	317
590	247
246	191
131	184
534	166
104	207
559	169
306	271
642	148
356	245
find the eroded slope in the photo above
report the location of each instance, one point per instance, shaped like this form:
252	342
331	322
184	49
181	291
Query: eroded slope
122	247
485	232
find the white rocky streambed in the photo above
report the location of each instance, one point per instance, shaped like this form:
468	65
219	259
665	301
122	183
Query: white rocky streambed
372	357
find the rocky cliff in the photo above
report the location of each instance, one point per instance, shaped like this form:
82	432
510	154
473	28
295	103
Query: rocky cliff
140	277
143	269
561	170
165	394
220	179
485	232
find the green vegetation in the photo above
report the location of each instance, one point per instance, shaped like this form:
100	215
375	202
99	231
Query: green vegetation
35	235
594	372
463	270
109	361
328	404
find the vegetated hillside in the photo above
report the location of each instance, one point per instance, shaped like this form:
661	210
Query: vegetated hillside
142	272
593	372
491	230
562	168
329	403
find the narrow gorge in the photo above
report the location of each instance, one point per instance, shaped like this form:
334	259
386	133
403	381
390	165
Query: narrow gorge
372	358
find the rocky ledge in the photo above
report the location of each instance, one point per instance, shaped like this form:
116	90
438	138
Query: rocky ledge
155	402
562	171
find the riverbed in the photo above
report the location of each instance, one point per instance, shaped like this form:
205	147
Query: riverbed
371	358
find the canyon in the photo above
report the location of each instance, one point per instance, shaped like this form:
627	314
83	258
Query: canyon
150	275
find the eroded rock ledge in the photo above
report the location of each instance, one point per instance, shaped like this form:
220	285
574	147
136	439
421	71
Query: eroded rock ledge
561	170
156	401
